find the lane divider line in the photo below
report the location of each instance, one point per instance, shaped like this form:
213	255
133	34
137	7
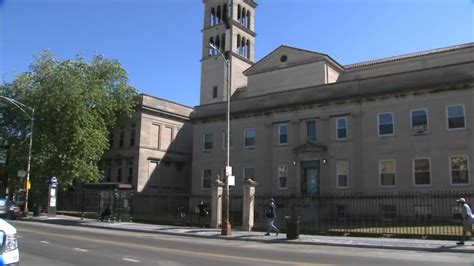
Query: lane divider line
80	249
45	242
131	260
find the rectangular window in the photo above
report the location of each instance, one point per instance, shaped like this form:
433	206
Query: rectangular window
423	212
214	92
111	140
386	124
459	166
283	176
388	212
224	140
249	173
133	133
342	172
421	171
206	178
419	122
130	171
341	128
387	173
109	171
119	171
311	130
207	142
249	137
341	212
456	119
283	134
121	139
156	134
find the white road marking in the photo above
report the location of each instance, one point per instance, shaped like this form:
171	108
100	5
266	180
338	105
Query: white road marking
80	249
18	236
45	242
131	260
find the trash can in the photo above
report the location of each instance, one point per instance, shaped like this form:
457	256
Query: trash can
36	210
292	227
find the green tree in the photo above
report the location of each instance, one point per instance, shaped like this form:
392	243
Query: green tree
76	105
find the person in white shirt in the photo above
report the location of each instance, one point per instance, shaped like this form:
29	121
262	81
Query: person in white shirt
467	219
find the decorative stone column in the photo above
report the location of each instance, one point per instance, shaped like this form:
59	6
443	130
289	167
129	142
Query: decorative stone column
216	204
249	202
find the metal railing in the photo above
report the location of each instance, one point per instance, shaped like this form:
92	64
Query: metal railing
427	214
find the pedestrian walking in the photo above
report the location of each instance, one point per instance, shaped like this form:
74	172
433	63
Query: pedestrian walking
271	216
467	219
203	213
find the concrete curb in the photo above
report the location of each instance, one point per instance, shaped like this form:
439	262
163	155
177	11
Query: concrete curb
279	240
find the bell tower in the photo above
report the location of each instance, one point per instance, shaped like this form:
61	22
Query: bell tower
229	25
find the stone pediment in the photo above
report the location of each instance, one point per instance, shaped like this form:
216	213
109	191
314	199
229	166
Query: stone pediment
285	56
310	147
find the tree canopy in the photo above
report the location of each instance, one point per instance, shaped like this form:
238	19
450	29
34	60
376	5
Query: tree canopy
76	104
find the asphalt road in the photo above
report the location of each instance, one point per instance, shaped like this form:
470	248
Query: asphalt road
55	244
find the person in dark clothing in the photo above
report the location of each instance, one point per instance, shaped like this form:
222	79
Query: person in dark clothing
203	212
271	216
105	213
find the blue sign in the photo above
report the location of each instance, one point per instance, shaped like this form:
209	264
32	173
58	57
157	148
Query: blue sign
54	182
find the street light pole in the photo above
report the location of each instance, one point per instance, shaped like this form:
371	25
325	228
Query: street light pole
22	107
226	226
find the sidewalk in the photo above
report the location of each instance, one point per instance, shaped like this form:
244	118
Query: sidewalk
362	242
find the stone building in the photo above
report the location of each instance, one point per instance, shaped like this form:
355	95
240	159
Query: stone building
152	151
303	124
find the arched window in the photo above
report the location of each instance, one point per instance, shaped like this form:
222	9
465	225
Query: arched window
224	11
248	49
213	17
239	14
210	51
218	43
223	43
248	20
243	19
219	15
243	48
238	44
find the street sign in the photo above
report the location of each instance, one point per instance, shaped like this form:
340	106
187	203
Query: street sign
231	180
54	182
28	185
21	173
228	170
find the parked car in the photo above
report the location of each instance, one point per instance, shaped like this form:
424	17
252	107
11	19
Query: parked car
9	209
9	253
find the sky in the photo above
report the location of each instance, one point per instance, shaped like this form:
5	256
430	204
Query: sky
159	42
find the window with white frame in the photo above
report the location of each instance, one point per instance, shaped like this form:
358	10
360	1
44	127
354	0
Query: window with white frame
249	137
385	122
459	166
207	142
341	128
283	134
342	172
421	171
456	118
419	121
283	176
249	173
224	140
387	173
206	178
311	130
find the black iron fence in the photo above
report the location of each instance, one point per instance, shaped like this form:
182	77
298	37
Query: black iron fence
410	214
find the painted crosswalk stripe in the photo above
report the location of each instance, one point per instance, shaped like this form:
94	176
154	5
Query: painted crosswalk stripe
131	260
80	249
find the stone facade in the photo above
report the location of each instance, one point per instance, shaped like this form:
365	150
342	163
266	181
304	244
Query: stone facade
305	125
152	150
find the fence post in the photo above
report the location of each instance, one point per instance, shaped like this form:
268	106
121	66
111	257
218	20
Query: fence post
82	207
131	207
249	202
114	197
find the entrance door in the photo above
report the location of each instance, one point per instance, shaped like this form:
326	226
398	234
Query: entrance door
310	178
